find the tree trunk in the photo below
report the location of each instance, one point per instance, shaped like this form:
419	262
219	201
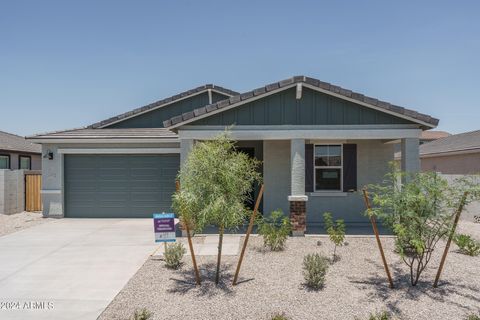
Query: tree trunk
219	257
334	253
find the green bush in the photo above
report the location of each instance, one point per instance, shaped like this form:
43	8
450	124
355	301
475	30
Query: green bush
173	255
335	230
275	230
143	314
467	244
279	316
315	268
379	316
473	317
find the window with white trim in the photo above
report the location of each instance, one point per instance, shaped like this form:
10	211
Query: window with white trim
328	164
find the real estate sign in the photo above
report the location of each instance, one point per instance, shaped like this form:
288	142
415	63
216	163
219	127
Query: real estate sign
164	227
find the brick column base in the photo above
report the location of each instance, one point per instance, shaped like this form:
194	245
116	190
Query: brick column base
298	217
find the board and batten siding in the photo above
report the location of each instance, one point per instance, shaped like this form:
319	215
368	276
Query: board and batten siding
155	118
314	108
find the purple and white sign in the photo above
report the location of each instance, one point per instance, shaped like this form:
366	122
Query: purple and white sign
164	227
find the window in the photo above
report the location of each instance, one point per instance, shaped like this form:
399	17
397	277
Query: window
4	161
328	167
25	162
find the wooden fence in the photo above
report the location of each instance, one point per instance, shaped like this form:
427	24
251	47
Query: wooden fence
33	198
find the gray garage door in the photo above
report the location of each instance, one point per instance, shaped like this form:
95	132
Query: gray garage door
119	186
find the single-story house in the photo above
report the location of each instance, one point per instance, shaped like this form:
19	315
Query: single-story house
319	145
455	154
17	153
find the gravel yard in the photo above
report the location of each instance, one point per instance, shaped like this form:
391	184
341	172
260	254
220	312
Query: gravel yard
19	221
271	282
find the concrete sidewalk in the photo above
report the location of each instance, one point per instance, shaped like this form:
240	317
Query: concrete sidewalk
70	268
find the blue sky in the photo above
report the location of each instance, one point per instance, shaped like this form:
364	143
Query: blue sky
66	64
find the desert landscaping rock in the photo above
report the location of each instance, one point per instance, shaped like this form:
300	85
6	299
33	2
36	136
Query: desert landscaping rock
272	282
19	221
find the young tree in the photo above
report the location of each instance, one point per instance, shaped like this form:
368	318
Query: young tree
335	230
215	184
419	210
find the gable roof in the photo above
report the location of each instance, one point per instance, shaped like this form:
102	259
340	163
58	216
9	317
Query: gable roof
163	102
108	134
12	142
425	120
467	141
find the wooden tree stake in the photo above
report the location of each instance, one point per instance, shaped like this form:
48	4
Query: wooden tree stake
247	236
375	230
190	244
450	237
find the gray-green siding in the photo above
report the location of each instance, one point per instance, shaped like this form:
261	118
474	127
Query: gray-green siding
155	118
119	186
314	108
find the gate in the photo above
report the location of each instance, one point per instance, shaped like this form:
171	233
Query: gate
33	198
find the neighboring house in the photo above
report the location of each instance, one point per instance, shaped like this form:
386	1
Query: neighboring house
319	143
455	154
17	153
426	136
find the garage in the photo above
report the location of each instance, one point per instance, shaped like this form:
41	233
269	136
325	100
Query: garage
119	186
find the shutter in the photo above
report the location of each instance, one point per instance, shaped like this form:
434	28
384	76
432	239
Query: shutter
309	168
349	167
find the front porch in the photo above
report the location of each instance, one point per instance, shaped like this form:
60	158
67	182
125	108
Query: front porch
299	181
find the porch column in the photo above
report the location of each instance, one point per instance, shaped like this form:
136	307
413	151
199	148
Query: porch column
186	146
298	199
410	155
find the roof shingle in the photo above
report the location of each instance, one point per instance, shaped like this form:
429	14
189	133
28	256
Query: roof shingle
12	142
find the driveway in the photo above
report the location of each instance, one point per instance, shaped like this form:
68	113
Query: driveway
70	268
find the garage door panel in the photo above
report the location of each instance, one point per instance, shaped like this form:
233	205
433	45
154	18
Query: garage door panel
119	185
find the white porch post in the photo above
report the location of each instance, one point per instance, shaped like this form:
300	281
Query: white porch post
186	146
410	155
297	198
297	164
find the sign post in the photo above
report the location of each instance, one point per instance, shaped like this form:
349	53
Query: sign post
164	227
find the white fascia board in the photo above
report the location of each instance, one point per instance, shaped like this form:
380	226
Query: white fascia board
332	134
167	104
119	150
104	140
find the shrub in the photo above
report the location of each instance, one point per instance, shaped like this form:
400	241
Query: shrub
473	317
173	255
275	230
379	316
143	314
335	230
467	244
315	268
279	316
419	209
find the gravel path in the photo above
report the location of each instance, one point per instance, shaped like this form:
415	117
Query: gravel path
272	283
19	221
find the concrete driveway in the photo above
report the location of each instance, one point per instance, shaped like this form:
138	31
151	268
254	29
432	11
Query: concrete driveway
70	268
